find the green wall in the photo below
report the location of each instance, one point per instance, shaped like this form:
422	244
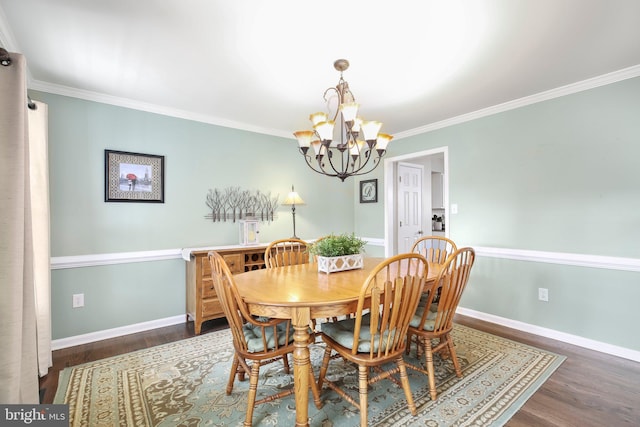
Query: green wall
598	304
116	296
559	176
198	157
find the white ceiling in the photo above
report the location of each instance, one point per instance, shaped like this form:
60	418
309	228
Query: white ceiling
264	65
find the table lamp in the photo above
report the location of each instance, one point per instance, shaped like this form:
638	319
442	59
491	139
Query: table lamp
293	199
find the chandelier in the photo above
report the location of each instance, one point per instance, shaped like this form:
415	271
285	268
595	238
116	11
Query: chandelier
353	147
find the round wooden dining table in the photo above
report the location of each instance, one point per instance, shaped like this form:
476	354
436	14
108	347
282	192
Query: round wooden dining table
301	293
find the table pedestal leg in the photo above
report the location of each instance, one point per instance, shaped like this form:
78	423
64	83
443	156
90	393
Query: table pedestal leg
301	364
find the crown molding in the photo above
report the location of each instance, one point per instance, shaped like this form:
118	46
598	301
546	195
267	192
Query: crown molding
150	108
613	77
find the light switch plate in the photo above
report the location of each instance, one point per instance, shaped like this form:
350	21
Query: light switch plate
454	208
78	300
543	294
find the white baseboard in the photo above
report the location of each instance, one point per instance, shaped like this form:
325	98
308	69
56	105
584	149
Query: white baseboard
116	332
503	321
553	334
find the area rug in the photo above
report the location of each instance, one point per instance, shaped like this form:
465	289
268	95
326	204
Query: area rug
183	384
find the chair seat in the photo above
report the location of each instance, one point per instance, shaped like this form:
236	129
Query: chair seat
342	333
429	324
254	336
424	300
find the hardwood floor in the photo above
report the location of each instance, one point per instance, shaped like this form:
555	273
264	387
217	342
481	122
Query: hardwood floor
588	389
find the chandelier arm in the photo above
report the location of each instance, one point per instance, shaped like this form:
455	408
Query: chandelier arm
324	96
338	173
361	164
369	155
319	170
373	166
354	172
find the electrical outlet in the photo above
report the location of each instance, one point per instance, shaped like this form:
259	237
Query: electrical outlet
543	294
78	300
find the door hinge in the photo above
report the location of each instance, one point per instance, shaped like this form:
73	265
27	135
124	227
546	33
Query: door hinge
400	223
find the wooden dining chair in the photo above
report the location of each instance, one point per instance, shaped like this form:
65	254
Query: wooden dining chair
256	341
283	252
377	334
434	248
434	320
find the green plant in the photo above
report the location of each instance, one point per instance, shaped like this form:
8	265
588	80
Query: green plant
338	245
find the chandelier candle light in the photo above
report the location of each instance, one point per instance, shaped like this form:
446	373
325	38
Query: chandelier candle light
338	151
293	199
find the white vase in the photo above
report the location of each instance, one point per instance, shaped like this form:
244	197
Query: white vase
340	263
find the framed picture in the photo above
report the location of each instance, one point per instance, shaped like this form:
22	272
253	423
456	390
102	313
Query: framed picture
133	177
369	191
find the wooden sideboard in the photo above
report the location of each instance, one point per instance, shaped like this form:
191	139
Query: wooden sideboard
202	301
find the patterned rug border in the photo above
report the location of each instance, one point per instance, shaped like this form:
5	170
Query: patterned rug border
519	402
501	410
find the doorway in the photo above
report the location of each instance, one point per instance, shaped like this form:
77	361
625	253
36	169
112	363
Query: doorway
434	161
410	182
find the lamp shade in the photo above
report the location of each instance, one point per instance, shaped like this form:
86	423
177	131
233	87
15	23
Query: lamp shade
349	111
325	130
383	141
304	137
370	130
293	198
318	117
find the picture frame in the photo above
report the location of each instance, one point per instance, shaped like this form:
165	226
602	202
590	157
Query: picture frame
369	191
133	177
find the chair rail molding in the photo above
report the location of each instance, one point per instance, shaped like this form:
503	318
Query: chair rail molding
563	258
374	241
93	260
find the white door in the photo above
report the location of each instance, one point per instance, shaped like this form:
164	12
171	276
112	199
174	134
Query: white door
409	204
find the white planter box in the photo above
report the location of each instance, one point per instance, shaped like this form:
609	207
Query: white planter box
340	263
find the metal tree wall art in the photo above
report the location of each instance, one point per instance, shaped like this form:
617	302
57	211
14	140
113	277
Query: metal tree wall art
232	204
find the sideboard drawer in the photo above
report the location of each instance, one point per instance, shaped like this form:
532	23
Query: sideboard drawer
235	263
211	307
208	291
205	268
